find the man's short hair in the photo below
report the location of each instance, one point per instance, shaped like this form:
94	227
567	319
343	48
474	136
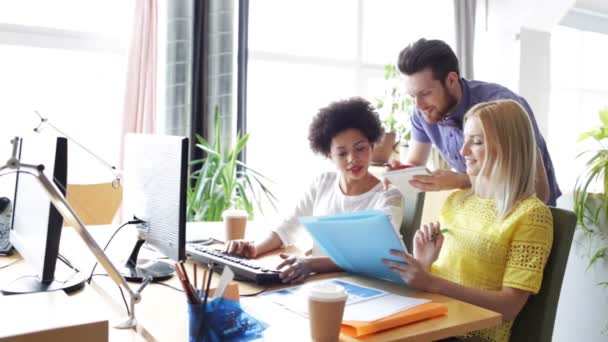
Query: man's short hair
434	54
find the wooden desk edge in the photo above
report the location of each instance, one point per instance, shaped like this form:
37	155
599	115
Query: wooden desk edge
461	329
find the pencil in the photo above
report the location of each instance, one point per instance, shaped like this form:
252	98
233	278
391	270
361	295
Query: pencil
195	276
435	235
207	289
190	295
204	280
181	264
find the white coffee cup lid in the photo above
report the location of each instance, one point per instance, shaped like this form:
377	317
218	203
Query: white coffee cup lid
234	213
327	292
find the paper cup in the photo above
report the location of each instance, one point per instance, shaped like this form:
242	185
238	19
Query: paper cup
325	309
235	221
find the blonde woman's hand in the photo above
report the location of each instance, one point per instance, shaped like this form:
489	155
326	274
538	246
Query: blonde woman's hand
296	269
427	244
411	271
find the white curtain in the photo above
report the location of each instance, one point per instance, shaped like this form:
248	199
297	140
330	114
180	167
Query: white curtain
464	11
140	98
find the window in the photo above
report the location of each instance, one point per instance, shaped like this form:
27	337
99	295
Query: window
305	54
578	91
67	60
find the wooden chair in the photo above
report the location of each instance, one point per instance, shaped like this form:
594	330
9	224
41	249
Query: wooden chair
94	203
536	320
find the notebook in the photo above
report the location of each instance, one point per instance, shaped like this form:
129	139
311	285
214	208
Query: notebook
357	242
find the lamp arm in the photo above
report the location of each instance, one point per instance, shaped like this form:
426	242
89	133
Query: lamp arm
69	215
61	204
117	173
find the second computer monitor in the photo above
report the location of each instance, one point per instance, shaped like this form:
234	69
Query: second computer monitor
36	226
155	178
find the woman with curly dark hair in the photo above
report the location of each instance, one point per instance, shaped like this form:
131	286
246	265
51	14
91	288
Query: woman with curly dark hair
345	132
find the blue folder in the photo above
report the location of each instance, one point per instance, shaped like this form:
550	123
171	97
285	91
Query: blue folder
357	242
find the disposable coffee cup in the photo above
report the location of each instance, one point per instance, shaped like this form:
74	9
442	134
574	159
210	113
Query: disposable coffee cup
235	221
325	309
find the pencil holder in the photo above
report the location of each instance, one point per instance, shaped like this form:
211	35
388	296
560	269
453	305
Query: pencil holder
198	326
221	319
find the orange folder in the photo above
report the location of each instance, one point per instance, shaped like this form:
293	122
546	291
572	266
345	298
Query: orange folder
415	314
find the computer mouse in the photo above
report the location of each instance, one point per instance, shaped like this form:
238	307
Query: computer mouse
4	202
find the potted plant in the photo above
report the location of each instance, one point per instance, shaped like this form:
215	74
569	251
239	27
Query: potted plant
224	182
395	108
591	207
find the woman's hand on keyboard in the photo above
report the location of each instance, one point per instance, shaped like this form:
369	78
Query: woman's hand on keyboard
297	268
242	248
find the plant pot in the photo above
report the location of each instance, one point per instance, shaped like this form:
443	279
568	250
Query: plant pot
383	149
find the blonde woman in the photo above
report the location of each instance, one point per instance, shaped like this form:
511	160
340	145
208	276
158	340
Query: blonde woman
499	234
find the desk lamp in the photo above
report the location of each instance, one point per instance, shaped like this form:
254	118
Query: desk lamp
60	202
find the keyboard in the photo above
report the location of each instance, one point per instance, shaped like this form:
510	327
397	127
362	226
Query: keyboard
5	226
244	269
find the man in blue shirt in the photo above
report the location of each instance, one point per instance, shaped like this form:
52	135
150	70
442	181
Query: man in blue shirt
442	98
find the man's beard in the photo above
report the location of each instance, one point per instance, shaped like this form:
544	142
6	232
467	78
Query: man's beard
451	103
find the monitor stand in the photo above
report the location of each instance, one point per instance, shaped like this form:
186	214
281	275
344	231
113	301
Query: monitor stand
137	270
32	283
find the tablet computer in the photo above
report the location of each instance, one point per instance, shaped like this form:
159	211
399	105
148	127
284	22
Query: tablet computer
400	178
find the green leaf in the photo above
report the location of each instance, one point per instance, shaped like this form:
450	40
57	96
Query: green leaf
604	116
222	181
599	254
395	106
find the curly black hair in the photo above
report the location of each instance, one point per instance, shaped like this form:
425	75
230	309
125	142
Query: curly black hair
339	116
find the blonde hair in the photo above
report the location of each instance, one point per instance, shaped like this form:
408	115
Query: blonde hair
510	154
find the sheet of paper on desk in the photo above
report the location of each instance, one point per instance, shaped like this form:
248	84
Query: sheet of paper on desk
295	298
363	304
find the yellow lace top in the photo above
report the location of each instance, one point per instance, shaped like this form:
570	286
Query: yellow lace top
484	252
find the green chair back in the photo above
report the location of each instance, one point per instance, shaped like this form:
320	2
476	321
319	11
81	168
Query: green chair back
412	214
535	321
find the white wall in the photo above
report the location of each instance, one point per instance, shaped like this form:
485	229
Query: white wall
535	73
582	312
513	48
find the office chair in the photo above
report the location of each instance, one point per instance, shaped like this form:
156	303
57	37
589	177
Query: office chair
535	321
412	214
94	203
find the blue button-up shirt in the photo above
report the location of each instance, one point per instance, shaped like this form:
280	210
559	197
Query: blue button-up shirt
448	137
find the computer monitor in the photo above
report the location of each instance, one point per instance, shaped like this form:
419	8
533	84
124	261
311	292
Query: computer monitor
155	178
36	226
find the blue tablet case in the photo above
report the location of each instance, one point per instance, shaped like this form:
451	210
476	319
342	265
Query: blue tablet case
357	242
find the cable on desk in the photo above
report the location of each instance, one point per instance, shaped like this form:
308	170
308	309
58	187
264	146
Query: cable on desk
67	262
10	264
167	285
255	293
135	221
